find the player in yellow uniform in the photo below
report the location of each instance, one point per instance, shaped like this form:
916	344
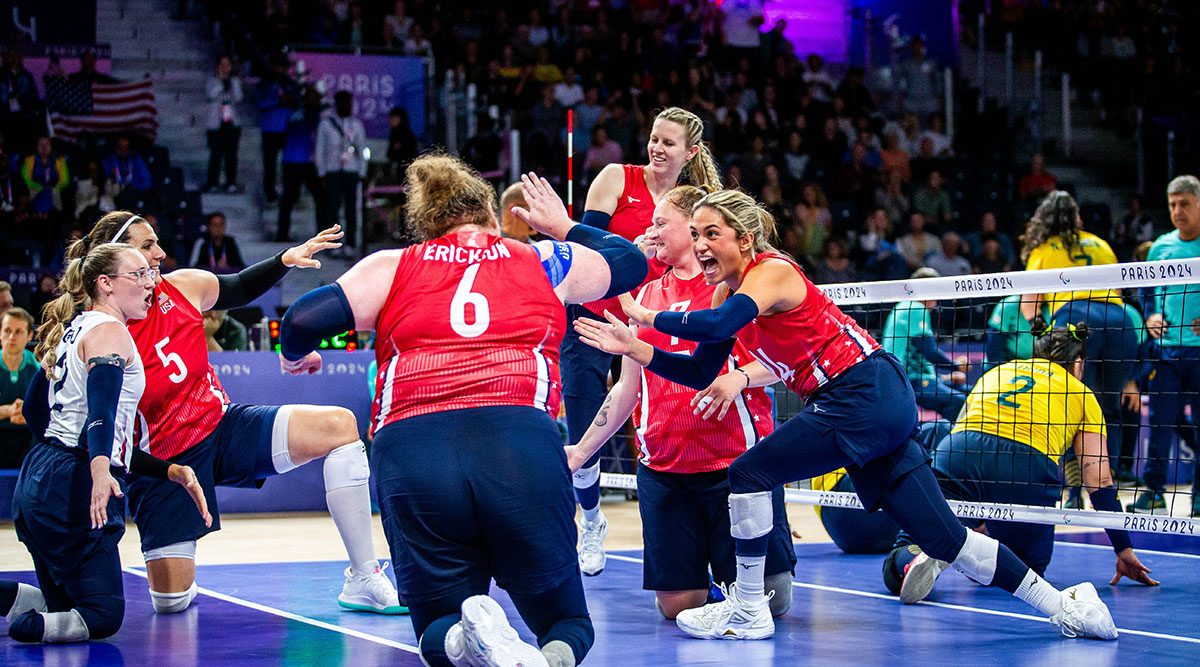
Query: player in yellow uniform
1019	420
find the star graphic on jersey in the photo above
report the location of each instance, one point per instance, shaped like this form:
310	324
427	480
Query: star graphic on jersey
826	363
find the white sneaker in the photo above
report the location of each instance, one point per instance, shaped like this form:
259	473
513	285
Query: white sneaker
1084	614
487	640
591	545
371	592
919	577
729	619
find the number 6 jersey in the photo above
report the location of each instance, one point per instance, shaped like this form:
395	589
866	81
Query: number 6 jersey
184	400
471	321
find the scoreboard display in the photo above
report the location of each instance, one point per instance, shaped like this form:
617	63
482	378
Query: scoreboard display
347	340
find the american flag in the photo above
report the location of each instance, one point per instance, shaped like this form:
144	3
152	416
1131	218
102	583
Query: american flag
77	108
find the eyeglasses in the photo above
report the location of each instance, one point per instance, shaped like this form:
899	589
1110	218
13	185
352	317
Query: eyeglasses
141	275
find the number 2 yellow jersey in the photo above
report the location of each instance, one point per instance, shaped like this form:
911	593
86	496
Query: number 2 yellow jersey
1032	401
1091	250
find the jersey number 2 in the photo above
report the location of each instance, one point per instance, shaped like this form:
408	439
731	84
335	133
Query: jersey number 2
458	307
171	358
1026	384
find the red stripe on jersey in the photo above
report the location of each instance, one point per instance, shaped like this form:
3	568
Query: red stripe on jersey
810	344
631	217
184	400
672	438
471	321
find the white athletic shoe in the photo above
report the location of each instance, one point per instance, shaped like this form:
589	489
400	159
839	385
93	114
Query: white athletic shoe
730	618
919	577
591	545
371	592
1084	614
487	640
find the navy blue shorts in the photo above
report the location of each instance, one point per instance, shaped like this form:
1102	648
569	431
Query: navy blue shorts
237	453
685	531
52	516
471	495
983	467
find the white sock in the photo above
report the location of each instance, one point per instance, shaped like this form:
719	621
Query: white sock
1038	593
349	500
592	515
750	577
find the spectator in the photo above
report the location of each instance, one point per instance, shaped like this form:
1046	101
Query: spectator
810	231
95	195
587	116
990	258
907	133
740	21
940	146
6	297
917	244
771	193
402	142
46	176
854	92
341	164
1135	228
895	160
16	330
354	29
483	150
568	92
47	291
603	152
856	180
918	81
20	109
299	144
397	25
277	95
795	158
817	79
215	251
511	225
989	229
949	260
223	333
417	44
835	266
933	201
15	211
880	258
1038	182
127	173
813	208
87	70
224	126
892	199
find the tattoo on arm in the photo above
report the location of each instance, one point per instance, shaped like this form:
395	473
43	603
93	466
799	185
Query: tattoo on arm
602	416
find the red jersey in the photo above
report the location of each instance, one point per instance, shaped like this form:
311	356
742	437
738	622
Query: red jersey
631	217
184	400
471	321
670	437
810	344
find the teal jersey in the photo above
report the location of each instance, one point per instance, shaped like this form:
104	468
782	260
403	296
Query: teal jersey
907	321
1007	319
1139	324
1179	304
13	385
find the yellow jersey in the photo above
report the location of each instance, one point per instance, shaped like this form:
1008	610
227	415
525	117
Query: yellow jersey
1035	402
1091	250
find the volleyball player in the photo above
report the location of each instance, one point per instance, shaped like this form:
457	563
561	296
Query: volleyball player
473	481
621	200
1173	317
1055	239
682	479
1018	421
187	418
1008	334
68	507
860	415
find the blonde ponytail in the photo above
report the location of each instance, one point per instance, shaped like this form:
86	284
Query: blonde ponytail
78	288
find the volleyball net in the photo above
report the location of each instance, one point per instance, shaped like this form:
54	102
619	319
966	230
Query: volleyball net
1002	429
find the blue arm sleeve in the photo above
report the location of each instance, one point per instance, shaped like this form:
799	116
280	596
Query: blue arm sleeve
36	409
697	370
315	316
557	264
1106	500
927	345
597	219
711	324
103	391
625	261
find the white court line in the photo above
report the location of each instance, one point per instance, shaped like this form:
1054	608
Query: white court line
957	607
294	617
1083	545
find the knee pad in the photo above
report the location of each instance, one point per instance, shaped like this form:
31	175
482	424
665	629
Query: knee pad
558	654
347	466
185	549
173	603
750	515
978	557
67	626
781	587
281	458
586	478
29	598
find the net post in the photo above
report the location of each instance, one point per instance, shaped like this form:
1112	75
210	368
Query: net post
571	163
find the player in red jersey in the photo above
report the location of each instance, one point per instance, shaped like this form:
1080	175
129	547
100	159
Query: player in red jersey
861	415
473	481
185	417
683	483
621	200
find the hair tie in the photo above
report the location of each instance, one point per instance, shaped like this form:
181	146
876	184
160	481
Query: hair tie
130	221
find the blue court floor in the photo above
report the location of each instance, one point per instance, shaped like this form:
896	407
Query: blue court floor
286	614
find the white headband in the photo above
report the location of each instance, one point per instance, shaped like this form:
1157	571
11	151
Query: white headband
132	219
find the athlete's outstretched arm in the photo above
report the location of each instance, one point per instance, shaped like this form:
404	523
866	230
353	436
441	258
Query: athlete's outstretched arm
696	370
720	395
617	407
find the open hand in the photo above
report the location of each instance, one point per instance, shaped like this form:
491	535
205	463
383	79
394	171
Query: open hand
104	487
307	365
545	211
613	336
302	255
718	396
1129	566
186	477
